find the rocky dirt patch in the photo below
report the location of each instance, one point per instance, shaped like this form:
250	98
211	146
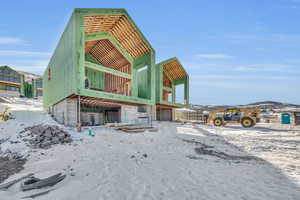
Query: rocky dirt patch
9	167
44	136
222	155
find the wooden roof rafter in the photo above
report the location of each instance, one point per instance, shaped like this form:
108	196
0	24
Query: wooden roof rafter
173	69
107	55
122	29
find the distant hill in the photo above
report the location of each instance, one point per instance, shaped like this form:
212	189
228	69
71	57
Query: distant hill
273	104
261	104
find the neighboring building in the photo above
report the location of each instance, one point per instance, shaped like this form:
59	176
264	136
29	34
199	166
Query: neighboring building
33	85
95	74
170	73
10	82
16	83
37	87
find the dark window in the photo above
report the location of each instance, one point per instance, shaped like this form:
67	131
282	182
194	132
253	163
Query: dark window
39	93
142	109
49	74
12	88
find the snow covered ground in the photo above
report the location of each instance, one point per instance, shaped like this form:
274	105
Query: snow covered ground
177	162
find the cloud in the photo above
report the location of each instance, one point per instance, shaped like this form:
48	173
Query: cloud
33	65
237	77
214	56
267	68
230	85
12	41
23	53
284	39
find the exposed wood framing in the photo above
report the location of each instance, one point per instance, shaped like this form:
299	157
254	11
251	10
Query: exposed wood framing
117	85
166	81
175	70
168	89
107	70
104	102
120	27
107	55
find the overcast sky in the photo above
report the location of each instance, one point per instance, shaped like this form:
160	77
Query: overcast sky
236	52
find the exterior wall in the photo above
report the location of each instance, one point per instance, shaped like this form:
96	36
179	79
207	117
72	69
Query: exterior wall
143	84
37	87
65	112
130	114
61	68
152	112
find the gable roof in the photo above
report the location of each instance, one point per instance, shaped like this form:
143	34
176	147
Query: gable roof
173	68
119	24
7	67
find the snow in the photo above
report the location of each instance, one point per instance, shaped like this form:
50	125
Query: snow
164	164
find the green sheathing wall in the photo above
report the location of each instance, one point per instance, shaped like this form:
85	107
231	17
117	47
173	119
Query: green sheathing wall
62	68
148	60
159	86
2	86
143	84
96	78
90	58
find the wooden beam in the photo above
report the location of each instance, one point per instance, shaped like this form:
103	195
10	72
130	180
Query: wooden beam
116	44
168	89
179	81
10	83
107	70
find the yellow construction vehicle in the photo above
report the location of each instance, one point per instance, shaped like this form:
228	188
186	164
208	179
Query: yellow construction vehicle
246	116
5	115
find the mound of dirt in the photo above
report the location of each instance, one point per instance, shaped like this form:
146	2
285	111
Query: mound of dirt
44	136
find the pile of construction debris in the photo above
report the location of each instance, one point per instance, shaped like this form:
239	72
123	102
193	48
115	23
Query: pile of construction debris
44	136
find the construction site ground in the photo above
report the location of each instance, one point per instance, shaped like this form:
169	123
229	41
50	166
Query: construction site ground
179	161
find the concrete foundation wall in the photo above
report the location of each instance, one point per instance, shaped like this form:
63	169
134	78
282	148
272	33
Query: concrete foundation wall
130	114
65	112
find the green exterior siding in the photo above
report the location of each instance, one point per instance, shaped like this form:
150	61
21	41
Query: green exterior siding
61	68
96	78
143	84
160	88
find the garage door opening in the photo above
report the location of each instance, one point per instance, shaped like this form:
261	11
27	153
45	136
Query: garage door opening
96	115
164	114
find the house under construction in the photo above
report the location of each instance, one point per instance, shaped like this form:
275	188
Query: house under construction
103	70
170	73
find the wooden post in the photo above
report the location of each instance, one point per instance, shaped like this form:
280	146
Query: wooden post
78	115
